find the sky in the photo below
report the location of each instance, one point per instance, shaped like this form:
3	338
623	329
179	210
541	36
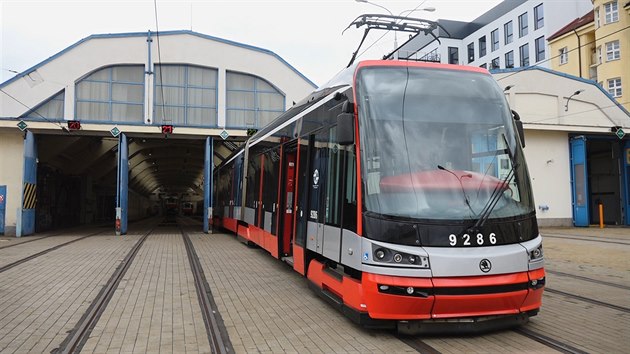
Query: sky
305	33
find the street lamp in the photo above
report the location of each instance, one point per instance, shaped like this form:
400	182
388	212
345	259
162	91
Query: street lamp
428	9
566	106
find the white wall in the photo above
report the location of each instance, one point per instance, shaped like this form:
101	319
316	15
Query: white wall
11	172
185	48
547	154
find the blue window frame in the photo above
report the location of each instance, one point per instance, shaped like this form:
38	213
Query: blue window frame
51	109
185	95
115	93
251	101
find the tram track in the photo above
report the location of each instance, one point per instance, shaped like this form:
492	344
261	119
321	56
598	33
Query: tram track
41	253
79	335
587	279
215	329
548	341
23	242
589	300
418	344
607	240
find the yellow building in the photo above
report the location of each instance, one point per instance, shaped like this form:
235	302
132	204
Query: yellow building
596	46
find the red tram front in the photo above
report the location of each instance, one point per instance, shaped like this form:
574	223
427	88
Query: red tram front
400	190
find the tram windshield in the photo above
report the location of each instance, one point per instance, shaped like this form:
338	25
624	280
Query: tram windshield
438	144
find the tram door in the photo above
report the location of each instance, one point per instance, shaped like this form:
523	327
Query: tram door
287	200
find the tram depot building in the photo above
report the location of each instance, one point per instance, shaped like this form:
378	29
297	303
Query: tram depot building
86	133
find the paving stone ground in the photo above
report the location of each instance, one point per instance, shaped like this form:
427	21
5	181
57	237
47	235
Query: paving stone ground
155	308
45	297
266	306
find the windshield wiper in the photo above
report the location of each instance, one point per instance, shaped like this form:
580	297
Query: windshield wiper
459	179
497	192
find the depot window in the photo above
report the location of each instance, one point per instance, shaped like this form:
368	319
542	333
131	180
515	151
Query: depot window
185	95
252	102
115	93
49	109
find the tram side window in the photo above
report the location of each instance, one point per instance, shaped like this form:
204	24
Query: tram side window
333	179
253	180
349	207
271	175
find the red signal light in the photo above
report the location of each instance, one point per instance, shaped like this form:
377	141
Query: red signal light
167	129
74	125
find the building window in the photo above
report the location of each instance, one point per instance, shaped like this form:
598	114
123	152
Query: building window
494	36
599	54
484	65
612	51
522	25
523	52
614	87
539	17
251	101
471	52
495	63
598	21
612	12
564	55
482	46
453	55
49	109
540	48
509	59
115	93
185	95
508	32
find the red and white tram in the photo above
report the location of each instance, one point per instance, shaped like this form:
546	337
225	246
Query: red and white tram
401	192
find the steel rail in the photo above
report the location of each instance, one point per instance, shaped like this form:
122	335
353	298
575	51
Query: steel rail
588	239
549	342
81	332
589	300
41	253
217	334
591	280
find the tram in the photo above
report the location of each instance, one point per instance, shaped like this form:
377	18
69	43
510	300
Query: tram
400	191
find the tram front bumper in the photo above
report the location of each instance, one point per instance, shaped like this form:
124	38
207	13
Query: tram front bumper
473	325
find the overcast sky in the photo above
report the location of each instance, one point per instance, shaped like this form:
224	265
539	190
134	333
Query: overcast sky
306	33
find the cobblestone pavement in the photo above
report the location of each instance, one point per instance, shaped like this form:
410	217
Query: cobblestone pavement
266	307
44	298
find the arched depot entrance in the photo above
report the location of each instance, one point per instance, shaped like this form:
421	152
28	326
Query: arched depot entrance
600	174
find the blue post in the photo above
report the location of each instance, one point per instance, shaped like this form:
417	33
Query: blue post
122	183
29	187
207	186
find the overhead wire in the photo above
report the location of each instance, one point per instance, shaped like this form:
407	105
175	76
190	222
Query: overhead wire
157	28
557	56
32	110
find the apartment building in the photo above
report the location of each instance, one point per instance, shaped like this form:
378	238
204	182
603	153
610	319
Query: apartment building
512	34
597	47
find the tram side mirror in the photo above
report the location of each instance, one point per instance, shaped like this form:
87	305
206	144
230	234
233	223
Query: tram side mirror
345	124
345	129
519	127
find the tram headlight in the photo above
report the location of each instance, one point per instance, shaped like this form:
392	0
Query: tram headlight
391	257
536	253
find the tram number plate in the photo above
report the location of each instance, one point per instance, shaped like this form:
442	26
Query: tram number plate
469	240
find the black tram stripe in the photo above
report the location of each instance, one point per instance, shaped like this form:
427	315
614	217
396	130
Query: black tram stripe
589	300
33	256
215	329
591	280
549	342
419	345
81	332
